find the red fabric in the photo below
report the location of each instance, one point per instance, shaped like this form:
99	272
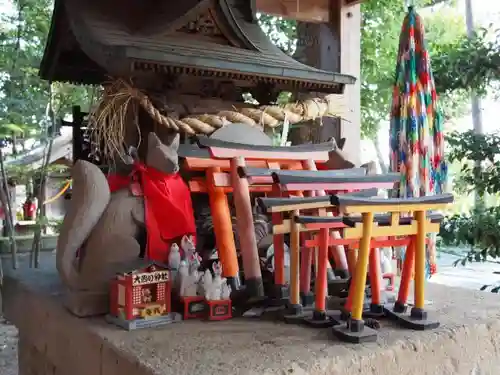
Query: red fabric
167	206
29	210
321	167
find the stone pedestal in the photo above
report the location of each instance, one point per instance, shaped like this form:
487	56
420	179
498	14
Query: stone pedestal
53	342
31	360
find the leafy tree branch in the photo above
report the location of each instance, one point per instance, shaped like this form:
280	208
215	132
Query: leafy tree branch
477	230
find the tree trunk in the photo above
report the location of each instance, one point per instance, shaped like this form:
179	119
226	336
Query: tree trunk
14	144
40	216
6	203
383	167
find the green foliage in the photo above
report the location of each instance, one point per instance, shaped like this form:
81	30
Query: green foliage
450	49
477	230
282	32
468	64
55	225
24	175
479	156
381	27
24	96
468	149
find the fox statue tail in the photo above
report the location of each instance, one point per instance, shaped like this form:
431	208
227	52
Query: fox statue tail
89	199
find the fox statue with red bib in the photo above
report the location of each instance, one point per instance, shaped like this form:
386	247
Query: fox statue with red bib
102	230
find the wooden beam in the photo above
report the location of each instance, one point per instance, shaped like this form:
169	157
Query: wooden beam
301	10
350	63
348	3
316	11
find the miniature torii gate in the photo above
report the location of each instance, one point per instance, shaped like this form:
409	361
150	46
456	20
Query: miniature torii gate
230	157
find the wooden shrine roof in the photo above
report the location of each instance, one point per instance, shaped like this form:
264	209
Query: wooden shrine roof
217	39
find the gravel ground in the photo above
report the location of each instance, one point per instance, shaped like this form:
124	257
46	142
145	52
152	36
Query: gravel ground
8	348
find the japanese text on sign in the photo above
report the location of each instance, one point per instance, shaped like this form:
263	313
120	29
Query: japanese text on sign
150	278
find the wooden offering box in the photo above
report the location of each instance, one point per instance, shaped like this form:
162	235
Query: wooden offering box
142	298
219	310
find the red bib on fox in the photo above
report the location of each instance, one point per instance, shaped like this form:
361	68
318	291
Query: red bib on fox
167	207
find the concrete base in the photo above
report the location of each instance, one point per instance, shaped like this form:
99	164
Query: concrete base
144	323
54	342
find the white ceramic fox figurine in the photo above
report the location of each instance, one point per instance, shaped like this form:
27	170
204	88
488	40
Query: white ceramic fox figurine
225	292
188	247
385	262
182	277
207	284
174	257
217	282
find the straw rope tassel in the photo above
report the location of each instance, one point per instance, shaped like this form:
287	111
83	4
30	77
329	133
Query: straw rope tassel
119	93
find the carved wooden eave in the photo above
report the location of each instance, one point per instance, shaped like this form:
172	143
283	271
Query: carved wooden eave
63	60
217	39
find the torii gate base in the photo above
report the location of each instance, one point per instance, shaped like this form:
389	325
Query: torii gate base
54	342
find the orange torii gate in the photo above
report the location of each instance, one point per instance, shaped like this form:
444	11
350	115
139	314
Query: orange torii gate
222	177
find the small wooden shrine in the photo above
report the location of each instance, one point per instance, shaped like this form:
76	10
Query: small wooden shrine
142	297
189	58
196	58
192	68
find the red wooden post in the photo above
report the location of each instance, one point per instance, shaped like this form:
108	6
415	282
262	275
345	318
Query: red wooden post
321	282
248	243
340	256
406	274
375	276
223	229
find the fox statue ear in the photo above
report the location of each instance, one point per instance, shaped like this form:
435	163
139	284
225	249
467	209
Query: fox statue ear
341	143
174	142
333	142
153	140
337	145
337	158
371	167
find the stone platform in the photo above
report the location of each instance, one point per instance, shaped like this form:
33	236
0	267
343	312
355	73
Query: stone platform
53	342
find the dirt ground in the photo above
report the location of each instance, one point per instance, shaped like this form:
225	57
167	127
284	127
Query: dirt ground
8	348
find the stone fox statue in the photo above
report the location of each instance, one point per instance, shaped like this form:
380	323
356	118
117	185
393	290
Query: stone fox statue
101	230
